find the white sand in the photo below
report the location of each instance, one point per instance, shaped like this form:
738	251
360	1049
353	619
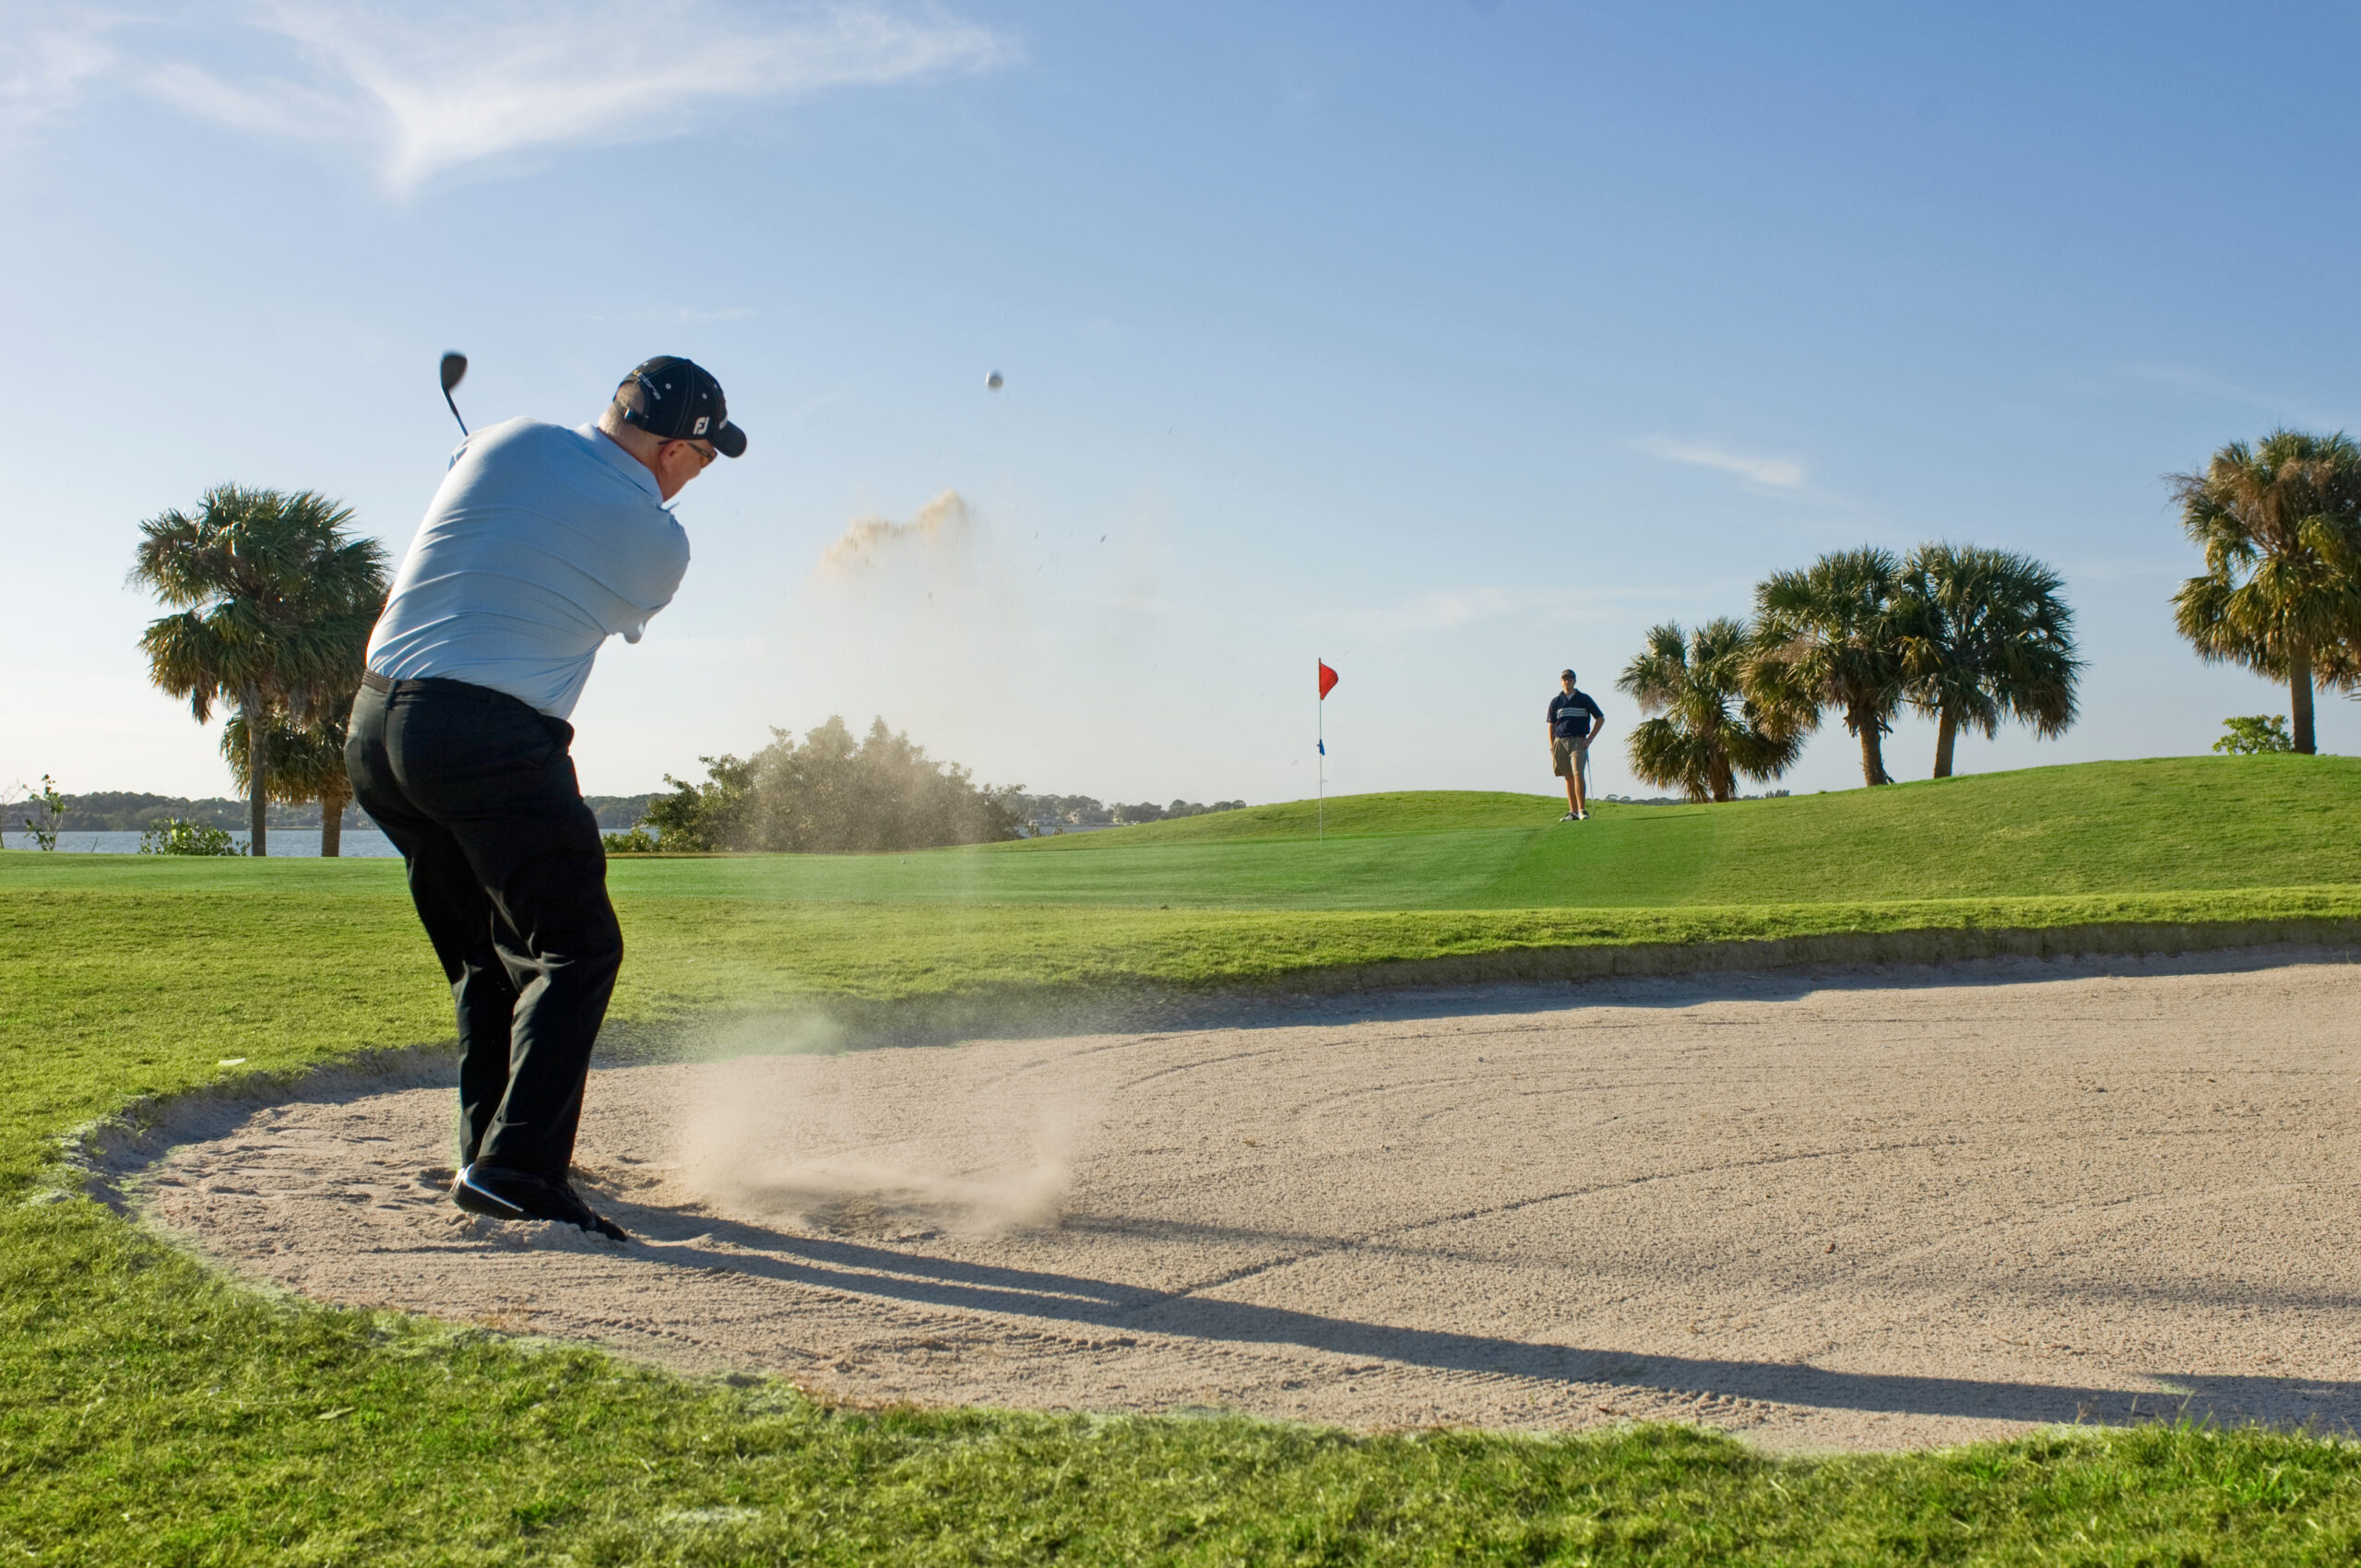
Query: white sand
1829	1210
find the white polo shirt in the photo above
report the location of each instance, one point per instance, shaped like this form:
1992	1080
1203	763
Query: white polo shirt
542	543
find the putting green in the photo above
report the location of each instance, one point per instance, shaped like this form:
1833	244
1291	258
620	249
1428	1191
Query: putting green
2175	823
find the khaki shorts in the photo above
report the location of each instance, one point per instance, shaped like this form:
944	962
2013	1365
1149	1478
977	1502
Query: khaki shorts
1566	755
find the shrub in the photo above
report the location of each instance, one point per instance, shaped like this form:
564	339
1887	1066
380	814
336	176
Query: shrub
51	805
832	794
2249	737
178	835
639	841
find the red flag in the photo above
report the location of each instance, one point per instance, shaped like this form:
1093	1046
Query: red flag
1327	680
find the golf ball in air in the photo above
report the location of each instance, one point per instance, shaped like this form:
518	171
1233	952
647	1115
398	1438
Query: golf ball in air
992	382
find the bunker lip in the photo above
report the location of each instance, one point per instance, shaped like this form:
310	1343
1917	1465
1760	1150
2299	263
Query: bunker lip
100	1156
1867	1209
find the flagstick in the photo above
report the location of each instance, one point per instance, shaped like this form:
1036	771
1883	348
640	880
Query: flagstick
1321	821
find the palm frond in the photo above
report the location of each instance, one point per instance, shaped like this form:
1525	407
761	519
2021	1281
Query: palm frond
1991	638
306	762
1834	635
277	602
1704	731
2278	524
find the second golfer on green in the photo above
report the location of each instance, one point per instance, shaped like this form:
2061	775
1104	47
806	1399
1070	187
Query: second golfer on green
1572	714
542	543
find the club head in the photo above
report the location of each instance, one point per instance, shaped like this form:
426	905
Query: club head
454	369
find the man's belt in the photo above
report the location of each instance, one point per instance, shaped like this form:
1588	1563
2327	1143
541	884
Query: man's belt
376	682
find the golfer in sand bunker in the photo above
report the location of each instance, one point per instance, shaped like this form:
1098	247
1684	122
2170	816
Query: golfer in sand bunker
542	543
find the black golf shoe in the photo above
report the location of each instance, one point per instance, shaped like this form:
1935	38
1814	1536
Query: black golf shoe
498	1193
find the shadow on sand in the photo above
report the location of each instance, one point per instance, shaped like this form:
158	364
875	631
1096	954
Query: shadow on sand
1075	1301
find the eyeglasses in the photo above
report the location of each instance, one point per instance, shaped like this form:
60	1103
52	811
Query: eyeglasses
705	454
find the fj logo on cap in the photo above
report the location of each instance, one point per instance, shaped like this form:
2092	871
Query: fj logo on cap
703	419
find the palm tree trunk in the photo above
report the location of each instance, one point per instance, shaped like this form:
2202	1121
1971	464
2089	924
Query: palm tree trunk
257	776
2299	696
1872	754
1946	737
331	825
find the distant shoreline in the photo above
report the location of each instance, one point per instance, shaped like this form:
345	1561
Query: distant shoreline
126	812
362	843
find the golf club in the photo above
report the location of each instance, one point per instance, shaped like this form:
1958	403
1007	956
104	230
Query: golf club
455	368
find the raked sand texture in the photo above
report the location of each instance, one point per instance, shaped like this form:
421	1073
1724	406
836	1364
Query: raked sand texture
1867	1209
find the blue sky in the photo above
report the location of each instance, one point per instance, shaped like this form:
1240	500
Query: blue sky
1452	343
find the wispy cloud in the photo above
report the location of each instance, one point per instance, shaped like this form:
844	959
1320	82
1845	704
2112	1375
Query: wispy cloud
1449	609
2204	384
1442	610
1770	473
423	91
44	69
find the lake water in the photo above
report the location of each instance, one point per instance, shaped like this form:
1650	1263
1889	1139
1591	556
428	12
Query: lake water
359	843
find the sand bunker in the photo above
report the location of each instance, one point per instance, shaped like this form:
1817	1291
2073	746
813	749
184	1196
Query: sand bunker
1834	1209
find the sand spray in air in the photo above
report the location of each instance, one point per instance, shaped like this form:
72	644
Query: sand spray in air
922	621
816	1140
1016	651
940	540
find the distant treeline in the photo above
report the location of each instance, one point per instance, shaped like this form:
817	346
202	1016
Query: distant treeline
1685	800
114	811
880	793
1051	813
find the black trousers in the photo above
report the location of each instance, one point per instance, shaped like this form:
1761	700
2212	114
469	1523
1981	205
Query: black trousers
509	875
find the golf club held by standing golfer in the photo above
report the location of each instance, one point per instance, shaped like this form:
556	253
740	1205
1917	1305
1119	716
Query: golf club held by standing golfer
454	369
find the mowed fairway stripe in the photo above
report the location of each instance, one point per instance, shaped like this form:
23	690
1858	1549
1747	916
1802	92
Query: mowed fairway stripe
1401	870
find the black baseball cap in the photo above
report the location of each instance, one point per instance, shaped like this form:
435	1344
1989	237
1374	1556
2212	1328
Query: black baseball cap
678	400
1565	676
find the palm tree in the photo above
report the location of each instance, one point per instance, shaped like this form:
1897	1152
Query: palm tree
1706	732
306	763
2281	527
1986	637
1831	635
274	604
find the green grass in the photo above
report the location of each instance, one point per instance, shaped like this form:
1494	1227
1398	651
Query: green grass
150	1412
2181	824
2175	825
2172	826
